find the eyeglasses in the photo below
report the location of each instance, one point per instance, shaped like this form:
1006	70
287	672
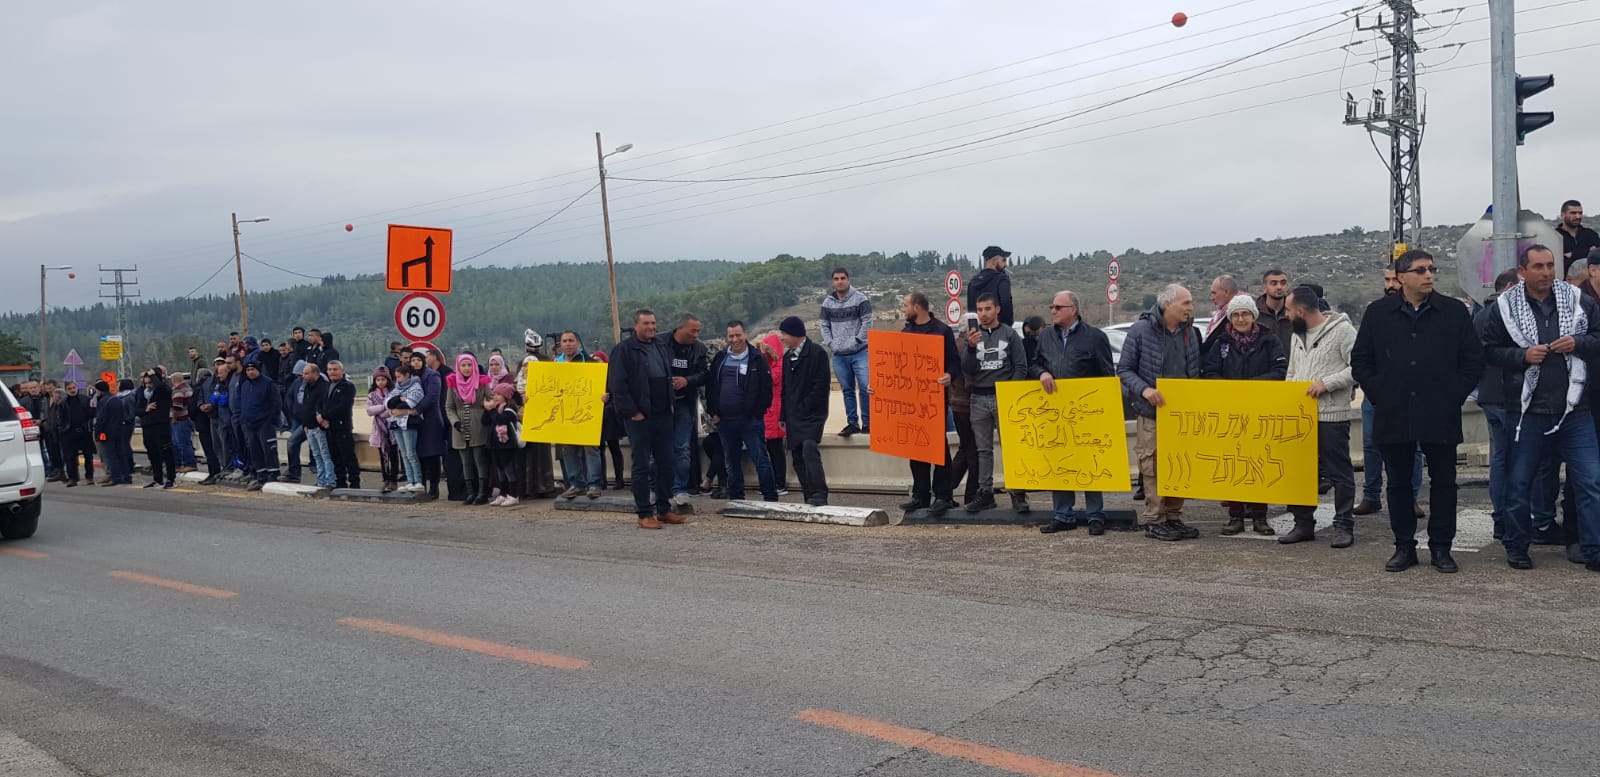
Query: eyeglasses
1061	307
1423	271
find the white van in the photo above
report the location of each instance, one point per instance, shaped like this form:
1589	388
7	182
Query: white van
21	469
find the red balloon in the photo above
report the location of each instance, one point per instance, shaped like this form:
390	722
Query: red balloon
72	275
349	227
1179	19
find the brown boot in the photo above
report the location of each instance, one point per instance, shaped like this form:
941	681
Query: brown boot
672	518
648	522
1235	525
1260	526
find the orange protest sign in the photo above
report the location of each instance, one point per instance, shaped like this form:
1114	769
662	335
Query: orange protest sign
419	259
907	399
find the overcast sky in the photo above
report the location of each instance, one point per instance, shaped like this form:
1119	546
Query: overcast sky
132	130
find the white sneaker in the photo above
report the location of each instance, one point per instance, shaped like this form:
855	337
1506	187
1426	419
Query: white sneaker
680	499
508	501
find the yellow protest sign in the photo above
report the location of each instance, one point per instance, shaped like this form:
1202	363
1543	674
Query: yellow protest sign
563	403
1071	440
1237	440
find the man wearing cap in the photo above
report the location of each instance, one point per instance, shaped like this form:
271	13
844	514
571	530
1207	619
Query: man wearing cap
806	382
1590	283
993	280
1577	240
257	408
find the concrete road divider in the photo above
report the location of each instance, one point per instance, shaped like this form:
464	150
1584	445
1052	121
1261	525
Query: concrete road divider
781	511
611	504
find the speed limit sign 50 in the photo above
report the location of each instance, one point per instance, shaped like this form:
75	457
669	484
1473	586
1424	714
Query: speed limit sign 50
419	316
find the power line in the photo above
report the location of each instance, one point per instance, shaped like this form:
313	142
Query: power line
998	136
280	269
225	262
532	228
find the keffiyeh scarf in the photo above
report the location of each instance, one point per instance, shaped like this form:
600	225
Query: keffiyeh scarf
1524	329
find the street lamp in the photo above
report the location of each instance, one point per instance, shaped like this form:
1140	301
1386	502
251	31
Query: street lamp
238	269
605	216
43	354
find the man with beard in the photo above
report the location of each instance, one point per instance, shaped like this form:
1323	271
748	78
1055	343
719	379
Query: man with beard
1577	240
1371	456
1273	306
1319	353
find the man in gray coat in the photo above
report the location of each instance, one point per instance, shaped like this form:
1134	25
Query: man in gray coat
1163	343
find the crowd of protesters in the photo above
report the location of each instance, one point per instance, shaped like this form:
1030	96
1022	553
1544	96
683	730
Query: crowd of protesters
763	400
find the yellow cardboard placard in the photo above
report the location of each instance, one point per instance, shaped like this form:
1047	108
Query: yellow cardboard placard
562	404
1237	440
1071	440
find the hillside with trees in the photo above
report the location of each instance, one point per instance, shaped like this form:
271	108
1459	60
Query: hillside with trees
491	306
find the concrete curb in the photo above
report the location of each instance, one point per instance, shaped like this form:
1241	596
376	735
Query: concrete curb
374	495
289	489
779	511
610	504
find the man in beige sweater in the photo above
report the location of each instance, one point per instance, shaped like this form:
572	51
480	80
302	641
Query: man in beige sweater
1319	352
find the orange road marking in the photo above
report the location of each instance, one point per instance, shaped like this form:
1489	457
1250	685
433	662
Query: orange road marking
176	585
444	639
945	746
23	553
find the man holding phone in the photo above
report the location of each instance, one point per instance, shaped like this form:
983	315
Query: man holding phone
996	353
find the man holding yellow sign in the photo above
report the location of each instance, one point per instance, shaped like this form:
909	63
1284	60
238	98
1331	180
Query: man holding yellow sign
1071	349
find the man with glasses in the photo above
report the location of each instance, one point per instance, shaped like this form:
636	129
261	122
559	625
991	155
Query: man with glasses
1070	348
1418	357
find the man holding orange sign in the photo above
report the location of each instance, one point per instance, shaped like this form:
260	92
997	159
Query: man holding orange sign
911	371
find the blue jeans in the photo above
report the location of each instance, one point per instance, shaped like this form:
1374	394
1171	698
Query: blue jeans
1500	434
1576	444
1372	461
1094	503
851	370
321	456
119	455
580	464
651	441
183	442
1546	484
406	440
685	421
297	438
740	435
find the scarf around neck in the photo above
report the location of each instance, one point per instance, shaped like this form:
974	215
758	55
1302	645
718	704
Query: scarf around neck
467	388
1521	324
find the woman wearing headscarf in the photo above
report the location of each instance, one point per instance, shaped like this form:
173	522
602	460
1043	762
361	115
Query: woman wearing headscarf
465	392
433	439
498	374
382	439
1244	350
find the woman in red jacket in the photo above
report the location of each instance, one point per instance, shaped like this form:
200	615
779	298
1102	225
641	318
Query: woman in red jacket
772	348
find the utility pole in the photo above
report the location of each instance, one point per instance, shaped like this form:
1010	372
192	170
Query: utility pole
1401	118
1503	130
120	283
238	269
43	351
605	216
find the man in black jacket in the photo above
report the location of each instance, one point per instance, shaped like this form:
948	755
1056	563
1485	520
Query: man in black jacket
77	433
305	405
1070	348
154	405
1492	400
737	397
689	371
1418	357
639	381
933	486
993	280
806	381
1542	333
335	417
201	412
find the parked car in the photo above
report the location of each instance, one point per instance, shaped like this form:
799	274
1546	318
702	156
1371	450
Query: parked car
21	470
1117	333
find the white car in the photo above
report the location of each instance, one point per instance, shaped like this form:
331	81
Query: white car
1117	333
21	470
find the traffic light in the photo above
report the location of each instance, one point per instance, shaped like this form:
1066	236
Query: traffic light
1528	86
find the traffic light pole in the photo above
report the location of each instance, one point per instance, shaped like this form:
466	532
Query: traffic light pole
1503	130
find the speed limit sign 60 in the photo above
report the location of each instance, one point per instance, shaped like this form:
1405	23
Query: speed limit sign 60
419	316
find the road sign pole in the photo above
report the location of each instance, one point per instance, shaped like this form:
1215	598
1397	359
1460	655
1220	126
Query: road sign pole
1503	131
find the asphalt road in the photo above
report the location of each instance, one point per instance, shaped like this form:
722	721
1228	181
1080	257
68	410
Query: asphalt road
217	633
